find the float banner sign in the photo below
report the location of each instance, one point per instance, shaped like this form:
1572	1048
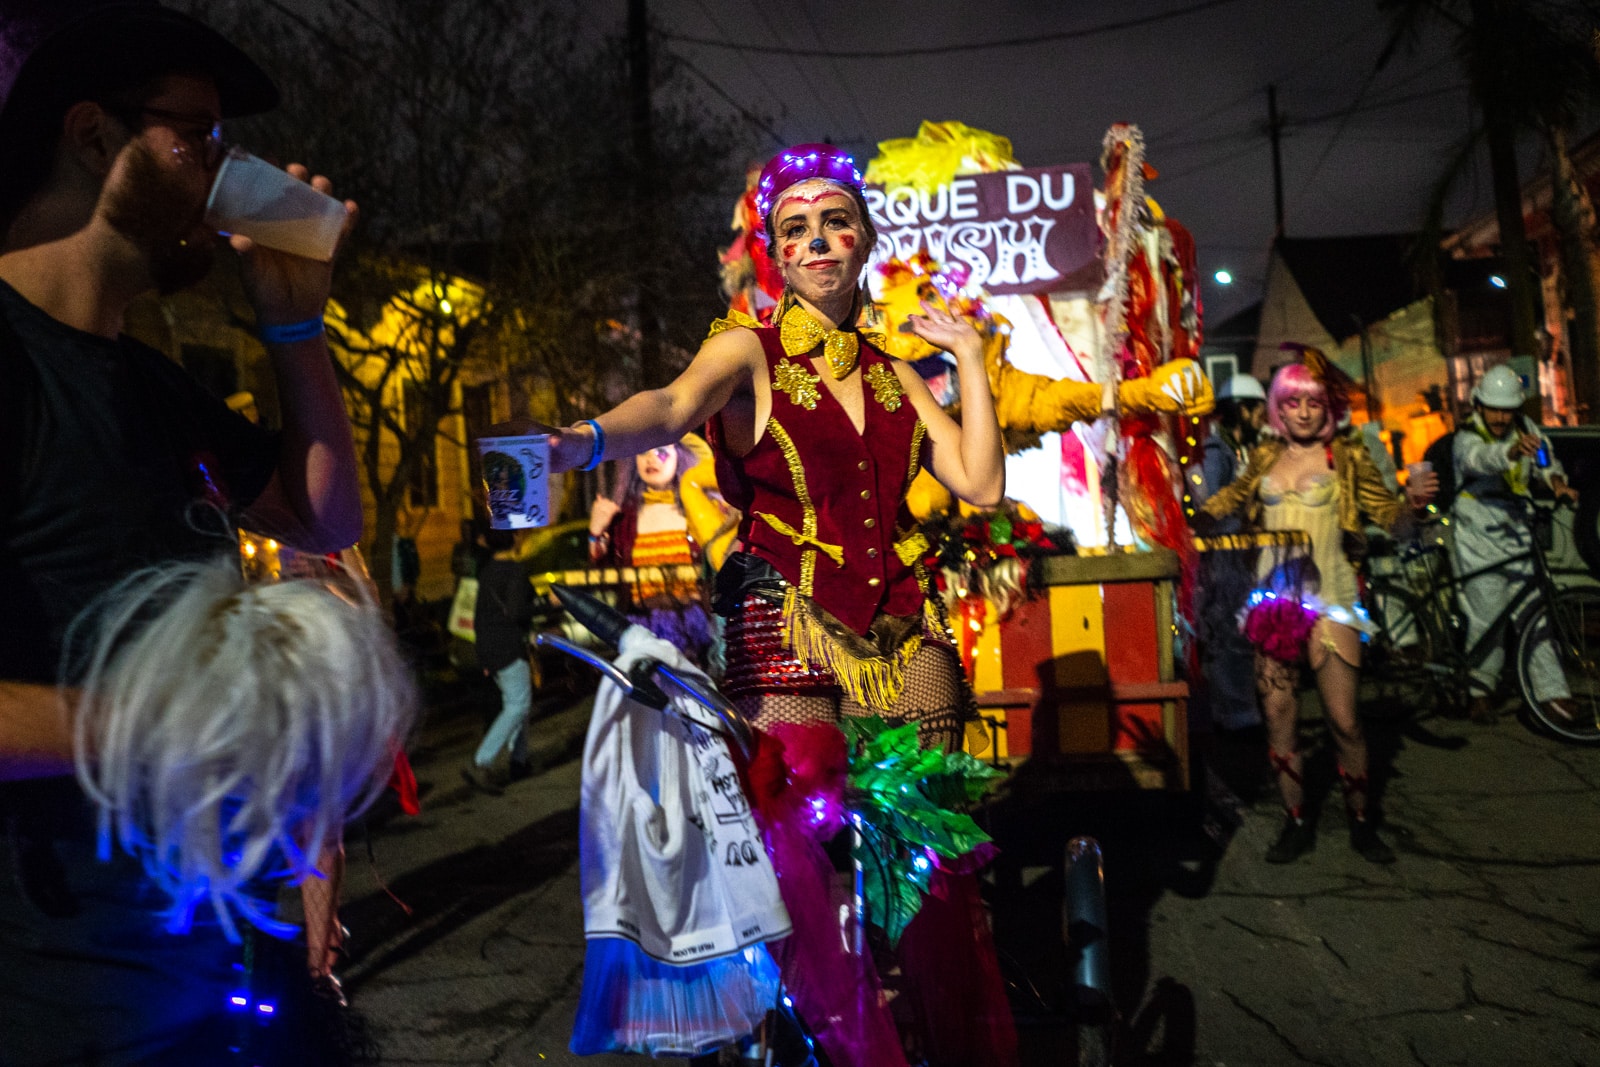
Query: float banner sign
1017	231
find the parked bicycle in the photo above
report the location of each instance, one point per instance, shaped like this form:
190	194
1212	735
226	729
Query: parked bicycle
1419	660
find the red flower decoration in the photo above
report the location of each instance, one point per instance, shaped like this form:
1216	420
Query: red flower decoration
1280	627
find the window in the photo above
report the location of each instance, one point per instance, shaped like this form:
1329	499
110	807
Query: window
423	490
1221	368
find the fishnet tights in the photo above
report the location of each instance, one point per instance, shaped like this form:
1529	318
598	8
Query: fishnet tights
934	697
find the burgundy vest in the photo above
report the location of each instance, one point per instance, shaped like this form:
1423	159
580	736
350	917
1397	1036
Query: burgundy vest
822	503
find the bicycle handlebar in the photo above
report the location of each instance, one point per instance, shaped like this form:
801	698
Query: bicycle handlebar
649	676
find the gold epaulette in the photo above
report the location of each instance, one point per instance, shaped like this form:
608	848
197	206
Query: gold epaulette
733	320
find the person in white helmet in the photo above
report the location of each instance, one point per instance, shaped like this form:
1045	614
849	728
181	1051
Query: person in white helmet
1227	658
1241	412
1497	458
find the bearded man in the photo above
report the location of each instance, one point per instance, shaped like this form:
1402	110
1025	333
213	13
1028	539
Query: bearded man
112	459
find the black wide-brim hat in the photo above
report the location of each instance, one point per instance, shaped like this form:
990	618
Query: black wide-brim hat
62	51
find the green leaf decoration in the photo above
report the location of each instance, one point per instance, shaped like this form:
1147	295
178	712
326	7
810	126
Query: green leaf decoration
906	800
1000	530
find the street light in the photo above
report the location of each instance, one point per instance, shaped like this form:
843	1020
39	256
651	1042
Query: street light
1224	277
1497	281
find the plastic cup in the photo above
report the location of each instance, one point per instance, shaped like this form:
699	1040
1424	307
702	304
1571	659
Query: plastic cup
1415	471
273	208
516	478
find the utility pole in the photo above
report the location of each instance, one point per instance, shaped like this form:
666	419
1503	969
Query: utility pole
1275	132
644	160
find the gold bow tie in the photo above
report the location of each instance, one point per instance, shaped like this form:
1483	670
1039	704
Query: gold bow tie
800	333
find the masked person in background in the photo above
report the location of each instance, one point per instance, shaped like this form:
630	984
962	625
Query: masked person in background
1241	412
501	620
669	519
1498	456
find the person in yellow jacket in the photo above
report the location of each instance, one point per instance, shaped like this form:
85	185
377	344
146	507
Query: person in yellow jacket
1314	478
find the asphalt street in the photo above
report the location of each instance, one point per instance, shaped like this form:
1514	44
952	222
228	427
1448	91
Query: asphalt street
1480	946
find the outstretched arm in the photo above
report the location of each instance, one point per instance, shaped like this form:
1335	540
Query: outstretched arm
662	416
968	457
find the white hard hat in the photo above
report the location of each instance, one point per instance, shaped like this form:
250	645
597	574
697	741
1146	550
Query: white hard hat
1501	388
1241	387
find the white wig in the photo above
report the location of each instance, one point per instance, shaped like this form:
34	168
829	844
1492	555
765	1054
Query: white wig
223	724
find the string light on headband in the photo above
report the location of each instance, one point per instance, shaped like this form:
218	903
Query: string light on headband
799	163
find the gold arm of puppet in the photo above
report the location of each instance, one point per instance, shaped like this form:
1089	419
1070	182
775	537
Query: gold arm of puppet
1176	388
1033	403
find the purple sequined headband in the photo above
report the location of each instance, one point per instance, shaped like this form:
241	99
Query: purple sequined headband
802	162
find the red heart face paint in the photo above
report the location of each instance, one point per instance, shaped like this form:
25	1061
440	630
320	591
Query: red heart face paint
789	250
848	240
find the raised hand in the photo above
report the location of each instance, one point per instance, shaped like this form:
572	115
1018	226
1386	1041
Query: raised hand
1421	490
940	328
1527	444
285	288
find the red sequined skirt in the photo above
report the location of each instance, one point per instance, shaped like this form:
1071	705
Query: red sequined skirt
759	662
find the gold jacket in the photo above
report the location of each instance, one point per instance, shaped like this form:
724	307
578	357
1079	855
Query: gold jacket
1363	495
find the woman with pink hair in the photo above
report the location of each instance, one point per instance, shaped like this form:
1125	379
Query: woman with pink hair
1316	479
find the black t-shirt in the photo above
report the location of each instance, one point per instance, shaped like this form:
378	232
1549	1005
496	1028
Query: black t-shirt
111	458
504	613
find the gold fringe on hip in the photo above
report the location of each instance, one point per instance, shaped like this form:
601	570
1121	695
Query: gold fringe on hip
871	669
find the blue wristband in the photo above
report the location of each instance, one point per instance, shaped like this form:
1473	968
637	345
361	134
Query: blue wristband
599	453
293	333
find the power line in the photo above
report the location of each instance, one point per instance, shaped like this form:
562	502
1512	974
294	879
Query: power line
1379	105
949	49
833	64
1289	74
760	78
1217	162
1255	131
1338	132
761	13
744	112
1356	107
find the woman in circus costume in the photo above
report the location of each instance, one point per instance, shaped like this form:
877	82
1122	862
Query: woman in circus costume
817	434
666	516
1315	479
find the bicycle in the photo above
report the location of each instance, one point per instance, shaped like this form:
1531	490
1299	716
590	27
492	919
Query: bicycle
1417	654
786	1041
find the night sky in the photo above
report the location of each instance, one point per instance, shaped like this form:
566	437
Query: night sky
1360	153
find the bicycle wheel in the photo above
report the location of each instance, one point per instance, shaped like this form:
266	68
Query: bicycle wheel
1571	625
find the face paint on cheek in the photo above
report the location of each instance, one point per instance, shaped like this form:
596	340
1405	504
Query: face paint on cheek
848	240
788	250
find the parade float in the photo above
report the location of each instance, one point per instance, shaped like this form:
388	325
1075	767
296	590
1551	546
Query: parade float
1089	304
